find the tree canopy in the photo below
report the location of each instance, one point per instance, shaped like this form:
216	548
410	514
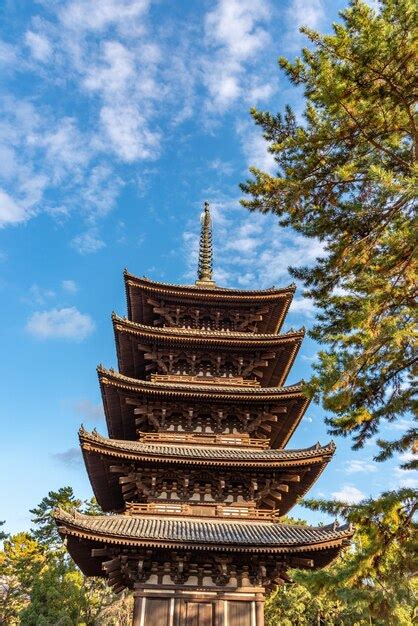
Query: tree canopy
347	174
40	584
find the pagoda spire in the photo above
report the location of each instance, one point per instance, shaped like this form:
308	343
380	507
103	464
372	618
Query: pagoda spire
204	270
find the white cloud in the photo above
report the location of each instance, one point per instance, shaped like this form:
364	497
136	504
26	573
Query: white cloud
304	306
89	411
85	15
408	456
39	295
70	458
235	33
306	13
88	242
310	13
357	465
69	285
349	494
11	212
406	478
128	132
255	148
7	54
400	424
39	45
65	323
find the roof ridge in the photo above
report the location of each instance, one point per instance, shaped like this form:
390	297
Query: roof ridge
273	289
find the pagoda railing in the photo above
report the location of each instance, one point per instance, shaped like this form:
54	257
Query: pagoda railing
204	380
245	511
203	438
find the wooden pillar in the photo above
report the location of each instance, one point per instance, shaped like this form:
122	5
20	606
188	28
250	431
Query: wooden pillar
259	609
139	611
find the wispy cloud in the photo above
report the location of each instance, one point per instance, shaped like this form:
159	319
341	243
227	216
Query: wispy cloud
255	147
38	296
310	13
88	410
349	494
236	33
358	465
87	242
39	45
65	323
70	286
69	458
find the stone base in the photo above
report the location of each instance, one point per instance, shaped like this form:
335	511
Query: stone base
160	605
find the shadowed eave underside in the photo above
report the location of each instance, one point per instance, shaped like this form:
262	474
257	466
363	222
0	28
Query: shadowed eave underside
102	454
121	394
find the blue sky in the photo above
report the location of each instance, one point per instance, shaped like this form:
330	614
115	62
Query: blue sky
117	120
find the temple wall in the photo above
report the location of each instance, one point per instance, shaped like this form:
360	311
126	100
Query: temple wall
198	606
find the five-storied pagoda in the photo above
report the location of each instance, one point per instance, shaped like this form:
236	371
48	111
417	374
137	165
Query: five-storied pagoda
195	472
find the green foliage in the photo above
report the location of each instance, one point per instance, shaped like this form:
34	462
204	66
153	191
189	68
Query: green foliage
40	585
347	174
372	582
21	561
296	605
378	572
3	535
45	530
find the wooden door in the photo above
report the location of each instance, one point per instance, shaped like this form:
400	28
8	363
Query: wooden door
199	614
239	613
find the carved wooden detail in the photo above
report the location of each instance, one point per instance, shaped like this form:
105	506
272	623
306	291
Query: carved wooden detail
125	567
207	318
194	486
205	364
204	418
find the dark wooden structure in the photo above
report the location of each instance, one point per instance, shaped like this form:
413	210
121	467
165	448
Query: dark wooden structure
195	470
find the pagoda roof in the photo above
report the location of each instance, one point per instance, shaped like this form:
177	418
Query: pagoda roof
131	360
202	293
100	453
320	543
117	388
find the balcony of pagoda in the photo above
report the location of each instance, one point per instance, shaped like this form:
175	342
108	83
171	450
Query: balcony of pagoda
236	511
159	304
267	414
143	351
195	439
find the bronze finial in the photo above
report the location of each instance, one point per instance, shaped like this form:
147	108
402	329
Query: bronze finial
204	271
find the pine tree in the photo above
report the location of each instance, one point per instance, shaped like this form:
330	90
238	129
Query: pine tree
377	575
347	174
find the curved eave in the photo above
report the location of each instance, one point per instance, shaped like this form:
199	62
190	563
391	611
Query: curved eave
100	454
138	290
320	544
194	335
117	390
202	293
131	360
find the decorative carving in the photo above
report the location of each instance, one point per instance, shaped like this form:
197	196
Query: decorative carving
204	418
180	362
